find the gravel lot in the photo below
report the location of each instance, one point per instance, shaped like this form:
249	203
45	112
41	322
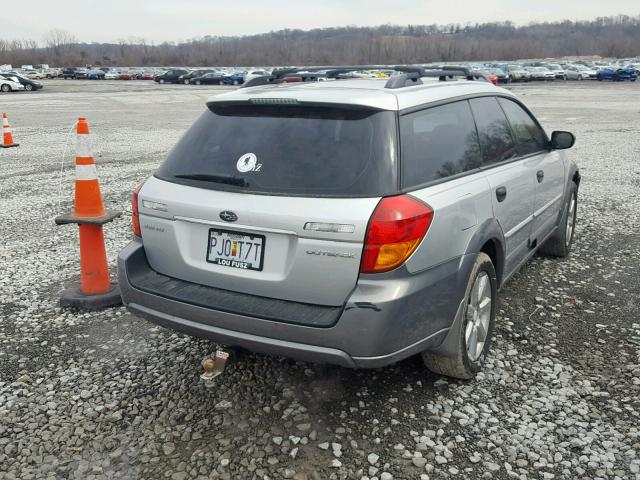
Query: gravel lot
108	395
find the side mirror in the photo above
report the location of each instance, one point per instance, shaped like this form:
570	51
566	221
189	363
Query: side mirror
562	140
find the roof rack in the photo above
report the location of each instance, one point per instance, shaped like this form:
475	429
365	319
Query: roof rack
408	75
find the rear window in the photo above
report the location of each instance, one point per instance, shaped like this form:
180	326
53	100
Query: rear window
288	150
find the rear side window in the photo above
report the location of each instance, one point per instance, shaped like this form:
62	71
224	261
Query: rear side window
438	142
496	141
529	136
288	150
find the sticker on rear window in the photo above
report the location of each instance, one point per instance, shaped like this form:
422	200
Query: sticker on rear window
248	162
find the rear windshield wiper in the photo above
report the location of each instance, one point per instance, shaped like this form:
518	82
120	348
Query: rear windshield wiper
205	177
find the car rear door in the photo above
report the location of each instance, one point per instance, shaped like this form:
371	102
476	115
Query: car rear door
547	165
272	201
510	178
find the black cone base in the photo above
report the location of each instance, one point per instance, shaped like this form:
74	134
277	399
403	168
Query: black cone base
74	298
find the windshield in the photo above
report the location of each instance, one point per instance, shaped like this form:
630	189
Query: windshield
307	151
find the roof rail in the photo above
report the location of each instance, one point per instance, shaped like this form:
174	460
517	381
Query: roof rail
257	81
409	75
403	80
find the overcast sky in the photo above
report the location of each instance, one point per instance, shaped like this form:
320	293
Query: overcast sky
174	20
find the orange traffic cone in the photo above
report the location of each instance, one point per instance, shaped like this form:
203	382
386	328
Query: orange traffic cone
7	137
96	291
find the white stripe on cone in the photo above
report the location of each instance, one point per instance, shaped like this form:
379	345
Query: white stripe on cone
86	172
5	122
83	146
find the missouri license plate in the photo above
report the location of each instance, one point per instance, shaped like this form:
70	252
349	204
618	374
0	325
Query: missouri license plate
235	249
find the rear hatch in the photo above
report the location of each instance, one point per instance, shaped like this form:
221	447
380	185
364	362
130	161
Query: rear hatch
271	200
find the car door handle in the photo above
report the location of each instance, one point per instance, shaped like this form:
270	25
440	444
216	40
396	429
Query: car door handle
540	176
501	193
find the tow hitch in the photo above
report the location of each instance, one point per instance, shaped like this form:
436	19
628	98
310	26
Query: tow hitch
215	365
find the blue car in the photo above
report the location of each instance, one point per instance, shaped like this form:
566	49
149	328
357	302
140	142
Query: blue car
234	79
618	74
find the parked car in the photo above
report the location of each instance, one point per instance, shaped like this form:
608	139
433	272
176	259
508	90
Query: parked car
251	74
515	73
148	76
541	73
33	74
331	226
488	76
95	74
236	78
186	78
171	76
68	73
111	75
557	70
52	73
10	84
579	72
502	76
126	76
27	83
211	78
617	74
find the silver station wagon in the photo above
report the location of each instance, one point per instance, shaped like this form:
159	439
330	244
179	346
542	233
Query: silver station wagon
350	221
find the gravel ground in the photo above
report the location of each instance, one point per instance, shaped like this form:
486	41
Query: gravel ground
108	395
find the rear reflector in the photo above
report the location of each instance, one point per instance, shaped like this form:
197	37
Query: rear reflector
395	230
135	214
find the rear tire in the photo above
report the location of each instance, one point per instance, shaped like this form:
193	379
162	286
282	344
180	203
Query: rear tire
478	321
559	244
5	88
198	82
28	87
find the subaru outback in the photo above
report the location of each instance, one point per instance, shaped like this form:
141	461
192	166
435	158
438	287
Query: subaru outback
356	222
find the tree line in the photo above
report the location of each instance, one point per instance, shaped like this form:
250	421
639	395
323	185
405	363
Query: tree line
617	36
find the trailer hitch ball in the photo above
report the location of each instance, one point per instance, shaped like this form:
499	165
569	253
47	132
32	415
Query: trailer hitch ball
214	366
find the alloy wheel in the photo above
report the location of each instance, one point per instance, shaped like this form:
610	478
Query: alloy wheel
478	316
571	220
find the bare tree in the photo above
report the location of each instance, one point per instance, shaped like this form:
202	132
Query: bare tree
617	36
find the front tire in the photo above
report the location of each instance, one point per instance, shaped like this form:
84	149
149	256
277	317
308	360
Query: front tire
5	88
475	332
559	244
198	82
28	87
161	81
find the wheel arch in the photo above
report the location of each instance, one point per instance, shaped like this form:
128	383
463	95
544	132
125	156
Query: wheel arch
489	238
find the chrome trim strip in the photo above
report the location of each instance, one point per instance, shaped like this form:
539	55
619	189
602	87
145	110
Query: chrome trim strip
538	212
519	227
234	225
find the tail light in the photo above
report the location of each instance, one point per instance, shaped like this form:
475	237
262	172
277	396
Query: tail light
395	230
135	214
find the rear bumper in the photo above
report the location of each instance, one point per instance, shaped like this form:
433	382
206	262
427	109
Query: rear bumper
386	318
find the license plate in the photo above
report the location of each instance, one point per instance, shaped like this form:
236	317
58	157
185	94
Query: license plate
235	249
